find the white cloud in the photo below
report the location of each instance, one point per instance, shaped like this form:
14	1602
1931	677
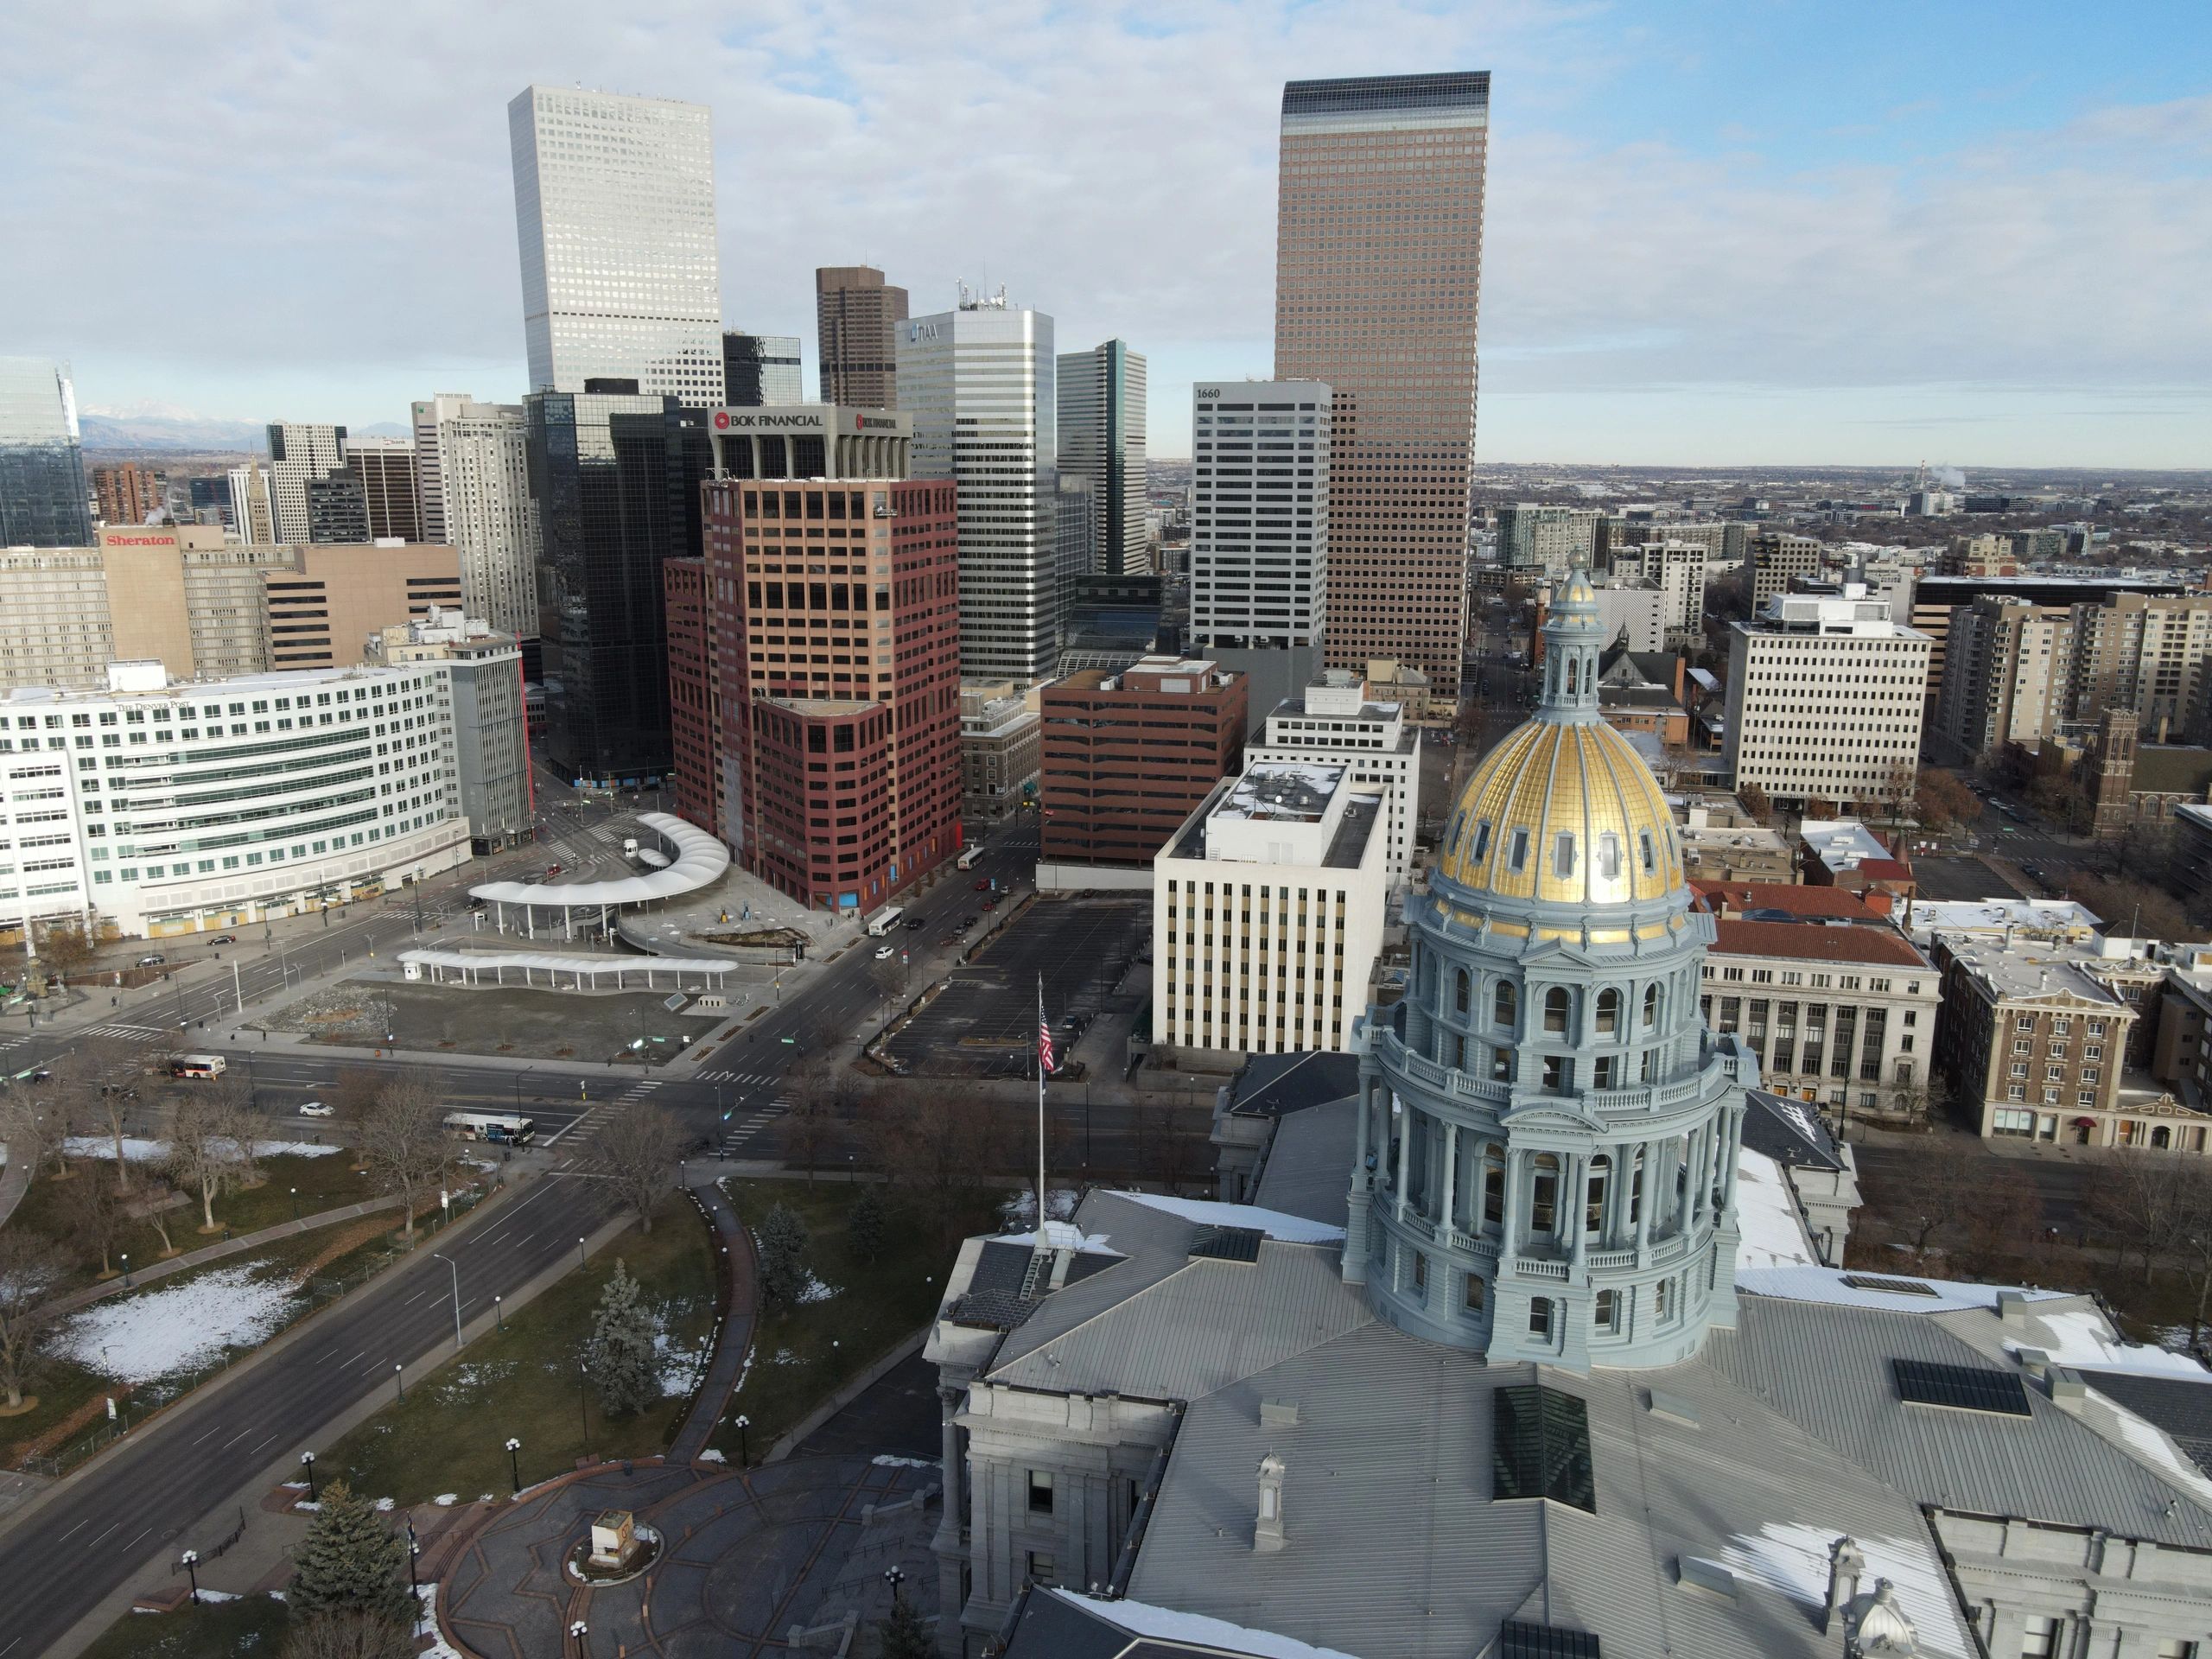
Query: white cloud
262	212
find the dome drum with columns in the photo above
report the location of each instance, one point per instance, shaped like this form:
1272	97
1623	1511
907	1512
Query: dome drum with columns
1545	1160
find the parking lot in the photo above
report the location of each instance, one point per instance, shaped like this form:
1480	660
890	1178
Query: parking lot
983	1023
1947	879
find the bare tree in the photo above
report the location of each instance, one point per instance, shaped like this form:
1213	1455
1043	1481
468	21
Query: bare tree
2192	1238
33	1131
151	1200
1934	1196
93	1212
640	1146
204	1140
2140	1198
29	1267
349	1636
812	1116
403	1143
944	1144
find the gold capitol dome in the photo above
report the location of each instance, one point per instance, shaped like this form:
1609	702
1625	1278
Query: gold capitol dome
1564	811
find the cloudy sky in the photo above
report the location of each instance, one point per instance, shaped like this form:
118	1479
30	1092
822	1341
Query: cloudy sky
1788	230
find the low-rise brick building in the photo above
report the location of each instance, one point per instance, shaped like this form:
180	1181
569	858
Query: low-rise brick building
1128	756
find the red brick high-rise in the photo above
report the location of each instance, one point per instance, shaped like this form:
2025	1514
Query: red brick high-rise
814	656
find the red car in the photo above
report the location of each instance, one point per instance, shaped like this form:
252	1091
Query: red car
983	885
552	870
990	903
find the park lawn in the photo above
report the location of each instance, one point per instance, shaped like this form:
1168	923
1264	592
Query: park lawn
326	1182
801	1356
220	1630
450	1434
70	1413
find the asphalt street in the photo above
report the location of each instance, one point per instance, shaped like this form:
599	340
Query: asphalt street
135	1512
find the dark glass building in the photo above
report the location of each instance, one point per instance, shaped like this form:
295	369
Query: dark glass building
338	510
615	476
43	499
760	370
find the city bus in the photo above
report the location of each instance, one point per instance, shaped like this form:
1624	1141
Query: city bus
969	854
504	1128
201	1067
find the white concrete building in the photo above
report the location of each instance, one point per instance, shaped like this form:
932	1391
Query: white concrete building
472	480
1635	610
614	215
1335	721
1267	911
1825	698
979	383
1258	555
153	808
298	451
1679	567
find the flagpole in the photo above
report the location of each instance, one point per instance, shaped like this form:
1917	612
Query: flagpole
1041	1030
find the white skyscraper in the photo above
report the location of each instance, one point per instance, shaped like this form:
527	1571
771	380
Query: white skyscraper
472	481
1101	406
978	382
1259	514
615	211
300	450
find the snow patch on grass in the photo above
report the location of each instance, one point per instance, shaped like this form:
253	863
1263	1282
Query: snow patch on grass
446	1500
815	1291
712	1456
139	1150
178	1328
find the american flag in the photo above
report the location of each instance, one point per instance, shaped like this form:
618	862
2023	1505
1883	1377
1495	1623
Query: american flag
1045	1061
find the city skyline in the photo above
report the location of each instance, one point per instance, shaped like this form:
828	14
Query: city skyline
1793	242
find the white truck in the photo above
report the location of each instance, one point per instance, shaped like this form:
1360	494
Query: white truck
884	920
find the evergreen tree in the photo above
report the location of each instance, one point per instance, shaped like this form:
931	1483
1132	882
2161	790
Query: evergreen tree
903	1636
782	1242
349	1563
620	1356
864	1224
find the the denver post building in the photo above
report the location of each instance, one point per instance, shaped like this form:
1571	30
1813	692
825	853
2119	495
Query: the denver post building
1559	1375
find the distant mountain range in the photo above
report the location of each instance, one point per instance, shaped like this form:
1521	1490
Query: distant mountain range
196	433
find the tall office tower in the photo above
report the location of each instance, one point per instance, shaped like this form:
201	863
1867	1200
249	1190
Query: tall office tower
1259	521
614	474
1825	698
253	513
127	494
298	451
1102	439
760	370
472	482
211	500
615	211
385	468
1378	268
338	510
834	773
1777	558
978	381
857	315
43	502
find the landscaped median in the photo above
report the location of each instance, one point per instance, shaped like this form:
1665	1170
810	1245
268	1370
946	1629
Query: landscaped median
449	1438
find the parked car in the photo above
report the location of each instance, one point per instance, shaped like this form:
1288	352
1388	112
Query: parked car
154	959
884	952
224	938
317	1108
916	923
552	870
990	903
983	885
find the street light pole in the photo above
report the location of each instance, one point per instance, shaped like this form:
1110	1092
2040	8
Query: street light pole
307	1462
743	1445
399	1379
583	1407
514	1463
455	1269
191	1559
894	1576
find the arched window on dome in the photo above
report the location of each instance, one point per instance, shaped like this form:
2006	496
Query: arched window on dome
1451	841
1609	1012
1609	857
1646	851
1593	1203
1476	1292
1636	1189
1543	1206
1463	991
1558	1004
1563	855
1651	1007
1493	1187
1517	859
1482	842
1574	677
1505	1005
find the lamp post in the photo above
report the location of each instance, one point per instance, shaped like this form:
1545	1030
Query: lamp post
454	1268
191	1559
894	1575
577	1631
743	1445
399	1379
514	1463
583	1406
580	1251
307	1462
498	1311
296	1203
126	1269
414	1548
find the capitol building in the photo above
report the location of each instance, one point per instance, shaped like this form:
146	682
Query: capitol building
1522	1349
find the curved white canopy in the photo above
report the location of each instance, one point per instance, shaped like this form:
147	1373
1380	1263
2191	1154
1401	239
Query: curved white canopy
700	861
543	962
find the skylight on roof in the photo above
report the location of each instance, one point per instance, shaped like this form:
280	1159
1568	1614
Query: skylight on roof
1960	1388
1519	1639
1894	1287
1540	1446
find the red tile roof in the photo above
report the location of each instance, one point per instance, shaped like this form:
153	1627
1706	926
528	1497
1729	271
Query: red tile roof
1729	896
1877	946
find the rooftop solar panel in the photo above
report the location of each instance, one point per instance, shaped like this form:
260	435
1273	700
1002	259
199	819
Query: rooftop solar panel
1228	1244
1960	1388
1894	1287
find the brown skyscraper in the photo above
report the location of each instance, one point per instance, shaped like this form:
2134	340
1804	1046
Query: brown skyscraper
1379	268
858	314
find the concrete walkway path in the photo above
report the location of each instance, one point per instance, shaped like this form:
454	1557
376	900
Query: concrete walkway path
734	1340
217	1251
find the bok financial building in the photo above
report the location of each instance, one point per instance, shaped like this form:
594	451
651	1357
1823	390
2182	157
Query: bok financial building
813	655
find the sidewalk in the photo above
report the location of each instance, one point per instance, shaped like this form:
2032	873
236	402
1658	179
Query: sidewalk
733	1332
216	1252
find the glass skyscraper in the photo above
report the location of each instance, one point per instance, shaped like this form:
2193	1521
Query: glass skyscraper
1103	441
760	371
614	212
43	499
1378	270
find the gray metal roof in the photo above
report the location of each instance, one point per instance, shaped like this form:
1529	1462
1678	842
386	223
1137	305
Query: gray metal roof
1306	1173
1829	1368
